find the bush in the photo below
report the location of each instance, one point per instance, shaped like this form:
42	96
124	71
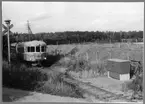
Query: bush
136	85
80	65
56	86
99	67
74	64
21	77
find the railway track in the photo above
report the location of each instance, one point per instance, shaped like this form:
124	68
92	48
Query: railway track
91	92
94	92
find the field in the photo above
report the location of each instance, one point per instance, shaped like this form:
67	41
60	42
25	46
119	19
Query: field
102	52
96	56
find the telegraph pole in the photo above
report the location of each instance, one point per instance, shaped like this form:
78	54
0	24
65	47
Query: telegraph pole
29	30
7	29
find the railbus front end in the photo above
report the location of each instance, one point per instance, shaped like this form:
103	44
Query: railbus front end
33	51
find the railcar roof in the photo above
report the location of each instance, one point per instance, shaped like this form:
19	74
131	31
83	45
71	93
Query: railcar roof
33	43
13	44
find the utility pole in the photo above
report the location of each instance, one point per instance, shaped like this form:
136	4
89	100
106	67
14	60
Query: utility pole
29	30
7	29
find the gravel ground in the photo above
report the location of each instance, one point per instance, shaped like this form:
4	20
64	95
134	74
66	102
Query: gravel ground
39	97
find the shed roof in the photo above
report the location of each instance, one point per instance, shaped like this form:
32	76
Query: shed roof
118	60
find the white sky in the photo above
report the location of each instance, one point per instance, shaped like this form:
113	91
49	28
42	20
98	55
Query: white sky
74	16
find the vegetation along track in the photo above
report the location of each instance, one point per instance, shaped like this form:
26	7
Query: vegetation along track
89	91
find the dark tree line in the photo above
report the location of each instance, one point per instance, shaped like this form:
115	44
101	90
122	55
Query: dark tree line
77	37
74	37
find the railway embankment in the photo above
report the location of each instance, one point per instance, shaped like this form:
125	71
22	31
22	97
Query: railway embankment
104	89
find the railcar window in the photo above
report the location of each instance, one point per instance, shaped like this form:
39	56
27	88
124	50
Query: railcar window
38	49
32	49
29	49
43	48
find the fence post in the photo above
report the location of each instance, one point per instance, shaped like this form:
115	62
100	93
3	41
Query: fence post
136	40
87	56
97	56
137	44
128	54
127	45
111	53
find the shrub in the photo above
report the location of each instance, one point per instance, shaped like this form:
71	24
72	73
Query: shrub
136	85
56	86
101	68
5	65
75	64
80	65
22	77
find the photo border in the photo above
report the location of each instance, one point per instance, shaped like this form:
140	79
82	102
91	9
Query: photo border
59	1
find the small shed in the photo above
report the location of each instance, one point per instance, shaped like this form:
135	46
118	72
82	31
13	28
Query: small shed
118	69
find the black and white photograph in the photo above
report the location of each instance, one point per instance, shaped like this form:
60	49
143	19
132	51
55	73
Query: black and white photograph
86	52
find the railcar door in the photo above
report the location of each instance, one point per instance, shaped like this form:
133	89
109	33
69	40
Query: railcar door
20	53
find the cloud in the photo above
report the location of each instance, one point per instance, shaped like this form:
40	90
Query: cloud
99	21
40	16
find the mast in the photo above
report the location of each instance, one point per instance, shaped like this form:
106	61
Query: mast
29	29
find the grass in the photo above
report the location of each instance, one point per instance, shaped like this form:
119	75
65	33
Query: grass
82	68
97	55
118	50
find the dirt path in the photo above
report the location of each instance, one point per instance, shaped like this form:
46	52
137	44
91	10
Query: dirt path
15	95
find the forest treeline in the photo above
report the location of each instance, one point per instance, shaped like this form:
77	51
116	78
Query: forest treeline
69	37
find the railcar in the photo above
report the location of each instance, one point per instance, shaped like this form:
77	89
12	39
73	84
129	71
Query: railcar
31	51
